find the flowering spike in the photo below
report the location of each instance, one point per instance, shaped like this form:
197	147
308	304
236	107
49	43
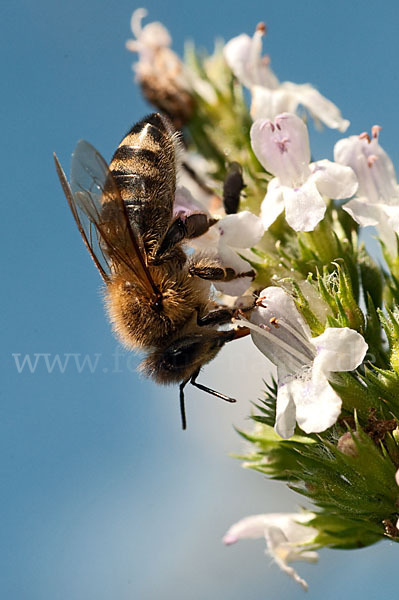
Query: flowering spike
329	422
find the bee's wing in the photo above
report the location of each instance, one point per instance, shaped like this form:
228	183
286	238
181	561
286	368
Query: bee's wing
101	216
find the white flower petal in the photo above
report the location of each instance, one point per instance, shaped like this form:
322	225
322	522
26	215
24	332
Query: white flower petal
283	336
153	35
285	410
339	349
237	53
334	180
252	527
243	55
286	537
304	206
207	243
318	106
267	103
282	147
242	230
317	405
363	212
373	167
229	258
392	213
273	203
388	226
276	542
279	307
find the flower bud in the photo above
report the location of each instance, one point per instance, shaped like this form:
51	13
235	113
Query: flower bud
347	445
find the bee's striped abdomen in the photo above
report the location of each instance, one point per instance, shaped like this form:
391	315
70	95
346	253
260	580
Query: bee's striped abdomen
144	168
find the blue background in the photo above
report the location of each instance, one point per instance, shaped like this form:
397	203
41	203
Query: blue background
102	495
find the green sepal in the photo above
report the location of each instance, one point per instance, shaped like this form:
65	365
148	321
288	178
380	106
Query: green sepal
390	323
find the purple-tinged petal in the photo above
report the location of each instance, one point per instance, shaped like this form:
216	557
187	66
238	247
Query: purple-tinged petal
282	147
304	206
334	180
185	204
372	165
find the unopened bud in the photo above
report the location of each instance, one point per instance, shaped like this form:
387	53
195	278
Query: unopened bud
347	445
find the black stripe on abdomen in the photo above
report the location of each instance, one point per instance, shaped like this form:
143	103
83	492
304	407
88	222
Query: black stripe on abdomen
127	152
140	186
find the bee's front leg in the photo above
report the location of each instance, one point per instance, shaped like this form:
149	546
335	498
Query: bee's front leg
222	315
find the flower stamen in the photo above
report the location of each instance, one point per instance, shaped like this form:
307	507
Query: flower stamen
375	130
273	338
365	136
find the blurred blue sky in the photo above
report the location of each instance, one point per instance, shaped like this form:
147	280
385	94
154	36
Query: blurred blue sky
102	494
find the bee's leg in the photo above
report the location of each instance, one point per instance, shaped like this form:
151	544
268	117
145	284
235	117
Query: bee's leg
204	388
216	317
182	407
214	273
192	380
183	228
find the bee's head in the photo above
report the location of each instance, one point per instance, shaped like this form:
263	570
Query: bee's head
182	357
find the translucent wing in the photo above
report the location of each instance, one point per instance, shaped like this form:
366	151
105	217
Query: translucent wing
101	217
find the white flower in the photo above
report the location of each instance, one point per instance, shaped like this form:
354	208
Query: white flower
270	97
377	199
287	536
304	364
282	147
224	240
160	72
150	40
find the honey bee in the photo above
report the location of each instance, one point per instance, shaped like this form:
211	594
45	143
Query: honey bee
157	296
